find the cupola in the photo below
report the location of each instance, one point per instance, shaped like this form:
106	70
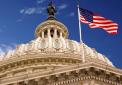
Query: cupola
51	27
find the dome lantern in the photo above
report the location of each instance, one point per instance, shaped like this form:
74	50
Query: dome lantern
51	27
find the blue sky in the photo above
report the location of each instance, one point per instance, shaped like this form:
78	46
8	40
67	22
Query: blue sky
19	18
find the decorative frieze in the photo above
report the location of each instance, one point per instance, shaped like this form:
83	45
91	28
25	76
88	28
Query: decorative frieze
69	76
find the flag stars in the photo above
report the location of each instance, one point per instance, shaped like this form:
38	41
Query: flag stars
96	21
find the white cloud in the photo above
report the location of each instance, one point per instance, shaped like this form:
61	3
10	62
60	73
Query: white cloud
33	10
22	11
40	10
5	48
2	53
30	11
40	1
71	14
61	7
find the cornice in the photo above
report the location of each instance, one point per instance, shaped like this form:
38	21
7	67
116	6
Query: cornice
37	61
88	71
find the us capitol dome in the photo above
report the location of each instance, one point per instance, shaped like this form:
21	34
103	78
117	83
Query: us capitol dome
53	59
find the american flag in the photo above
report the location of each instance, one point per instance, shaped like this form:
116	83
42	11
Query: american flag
97	21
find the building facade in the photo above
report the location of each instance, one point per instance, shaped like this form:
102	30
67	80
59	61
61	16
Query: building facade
53	59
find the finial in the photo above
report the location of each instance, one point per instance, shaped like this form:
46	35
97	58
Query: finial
51	10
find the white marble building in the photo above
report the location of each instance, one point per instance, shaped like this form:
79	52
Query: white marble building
53	59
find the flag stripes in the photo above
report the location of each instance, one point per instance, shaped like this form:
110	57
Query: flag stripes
96	21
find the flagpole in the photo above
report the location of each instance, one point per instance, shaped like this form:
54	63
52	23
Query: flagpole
83	57
79	25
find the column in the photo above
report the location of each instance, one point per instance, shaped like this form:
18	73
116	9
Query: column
61	35
42	34
49	39
55	33
48	31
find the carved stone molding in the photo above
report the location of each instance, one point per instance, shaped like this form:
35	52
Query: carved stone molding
71	74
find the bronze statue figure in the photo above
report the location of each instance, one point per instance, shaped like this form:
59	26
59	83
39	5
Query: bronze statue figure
51	9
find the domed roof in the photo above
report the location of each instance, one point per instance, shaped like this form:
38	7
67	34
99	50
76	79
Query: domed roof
47	46
59	48
50	49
